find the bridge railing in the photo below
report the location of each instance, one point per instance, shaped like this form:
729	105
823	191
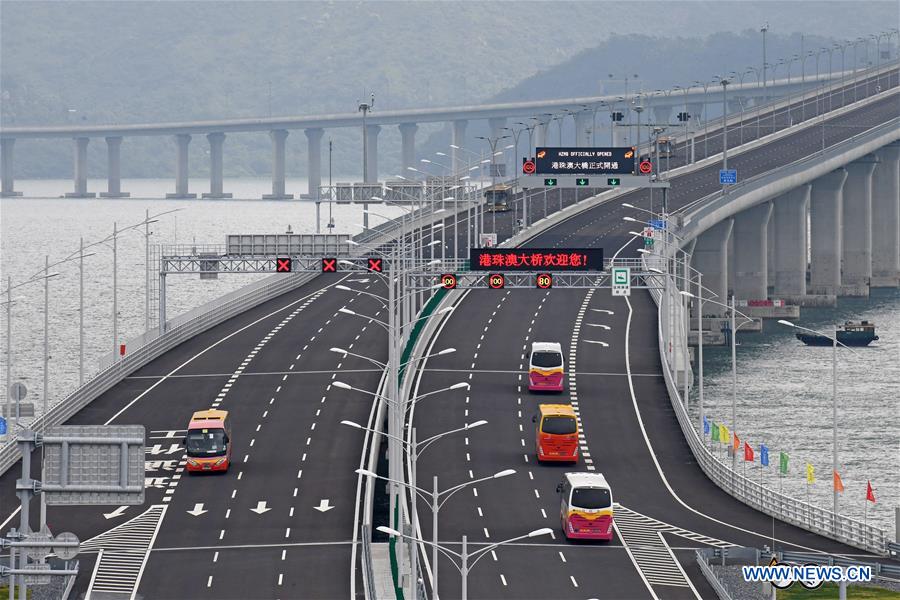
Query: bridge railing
752	493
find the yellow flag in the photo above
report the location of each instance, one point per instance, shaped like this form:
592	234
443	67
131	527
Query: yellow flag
810	474
723	433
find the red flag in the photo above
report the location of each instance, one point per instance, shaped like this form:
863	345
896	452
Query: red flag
748	452
838	484
870	493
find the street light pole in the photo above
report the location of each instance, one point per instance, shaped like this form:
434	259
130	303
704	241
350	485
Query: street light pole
763	30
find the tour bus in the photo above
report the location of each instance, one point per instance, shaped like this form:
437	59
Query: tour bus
497	198
546	371
665	146
208	443
556	434
585	506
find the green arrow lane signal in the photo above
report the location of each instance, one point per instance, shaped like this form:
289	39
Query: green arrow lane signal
621	277
613	181
581	182
549	181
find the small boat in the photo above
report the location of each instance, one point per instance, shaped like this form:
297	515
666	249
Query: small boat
853	333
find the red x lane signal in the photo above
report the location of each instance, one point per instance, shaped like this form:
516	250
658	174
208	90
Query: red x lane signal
329	265
282	265
375	265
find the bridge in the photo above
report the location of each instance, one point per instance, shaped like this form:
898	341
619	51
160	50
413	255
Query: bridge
296	515
659	103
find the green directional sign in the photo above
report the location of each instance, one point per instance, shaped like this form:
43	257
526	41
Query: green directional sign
550	181
613	181
582	181
621	281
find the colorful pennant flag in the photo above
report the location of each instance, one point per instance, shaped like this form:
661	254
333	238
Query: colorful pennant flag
870	492
748	452
783	463
736	442
838	484
723	433
705	426
764	455
810	474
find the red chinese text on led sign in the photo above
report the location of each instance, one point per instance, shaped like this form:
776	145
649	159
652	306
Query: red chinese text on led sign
532	259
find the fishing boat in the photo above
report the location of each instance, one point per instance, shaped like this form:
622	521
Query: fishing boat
853	333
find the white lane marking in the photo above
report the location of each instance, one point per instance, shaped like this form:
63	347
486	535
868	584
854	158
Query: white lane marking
562	556
503	579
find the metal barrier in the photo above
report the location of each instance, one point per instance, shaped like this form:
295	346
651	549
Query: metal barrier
781	506
368	568
720	589
879	570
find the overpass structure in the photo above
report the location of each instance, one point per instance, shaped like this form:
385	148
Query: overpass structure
292	508
694	99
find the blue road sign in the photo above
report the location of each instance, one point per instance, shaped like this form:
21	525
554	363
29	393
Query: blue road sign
657	224
727	176
2	426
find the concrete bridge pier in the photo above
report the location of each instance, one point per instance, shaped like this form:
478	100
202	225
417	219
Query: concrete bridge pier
371	150
751	253
458	138
182	141
278	143
314	158
216	166
584	121
886	218
696	111
114	169
789	229
736	105
710	257
408	144
826	234
81	144
496	126
662	114
6	168
857	238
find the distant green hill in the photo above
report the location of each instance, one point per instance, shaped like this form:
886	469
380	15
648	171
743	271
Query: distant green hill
122	62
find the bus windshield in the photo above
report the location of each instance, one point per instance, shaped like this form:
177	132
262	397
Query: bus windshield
559	425
546	360
206	442
590	498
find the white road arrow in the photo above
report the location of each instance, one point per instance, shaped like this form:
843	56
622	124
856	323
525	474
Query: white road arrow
198	510
324	505
603	310
606	327
604	344
116	513
261	507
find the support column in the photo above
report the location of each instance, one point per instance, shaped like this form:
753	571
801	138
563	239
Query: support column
81	144
216	166
696	110
6	168
182	141
736	105
497	124
408	144
540	134
458	137
886	218
789	228
371	154
662	114
583	123
857	238
114	169
751	253
314	158
826	234
710	257
278	142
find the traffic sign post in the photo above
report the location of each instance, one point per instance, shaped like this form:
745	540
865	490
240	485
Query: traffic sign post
621	281
727	176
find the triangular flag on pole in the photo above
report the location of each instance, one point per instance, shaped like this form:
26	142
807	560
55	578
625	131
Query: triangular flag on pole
870	493
715	432
705	426
838	484
810	474
783	463
723	434
764	455
737	442
748	452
